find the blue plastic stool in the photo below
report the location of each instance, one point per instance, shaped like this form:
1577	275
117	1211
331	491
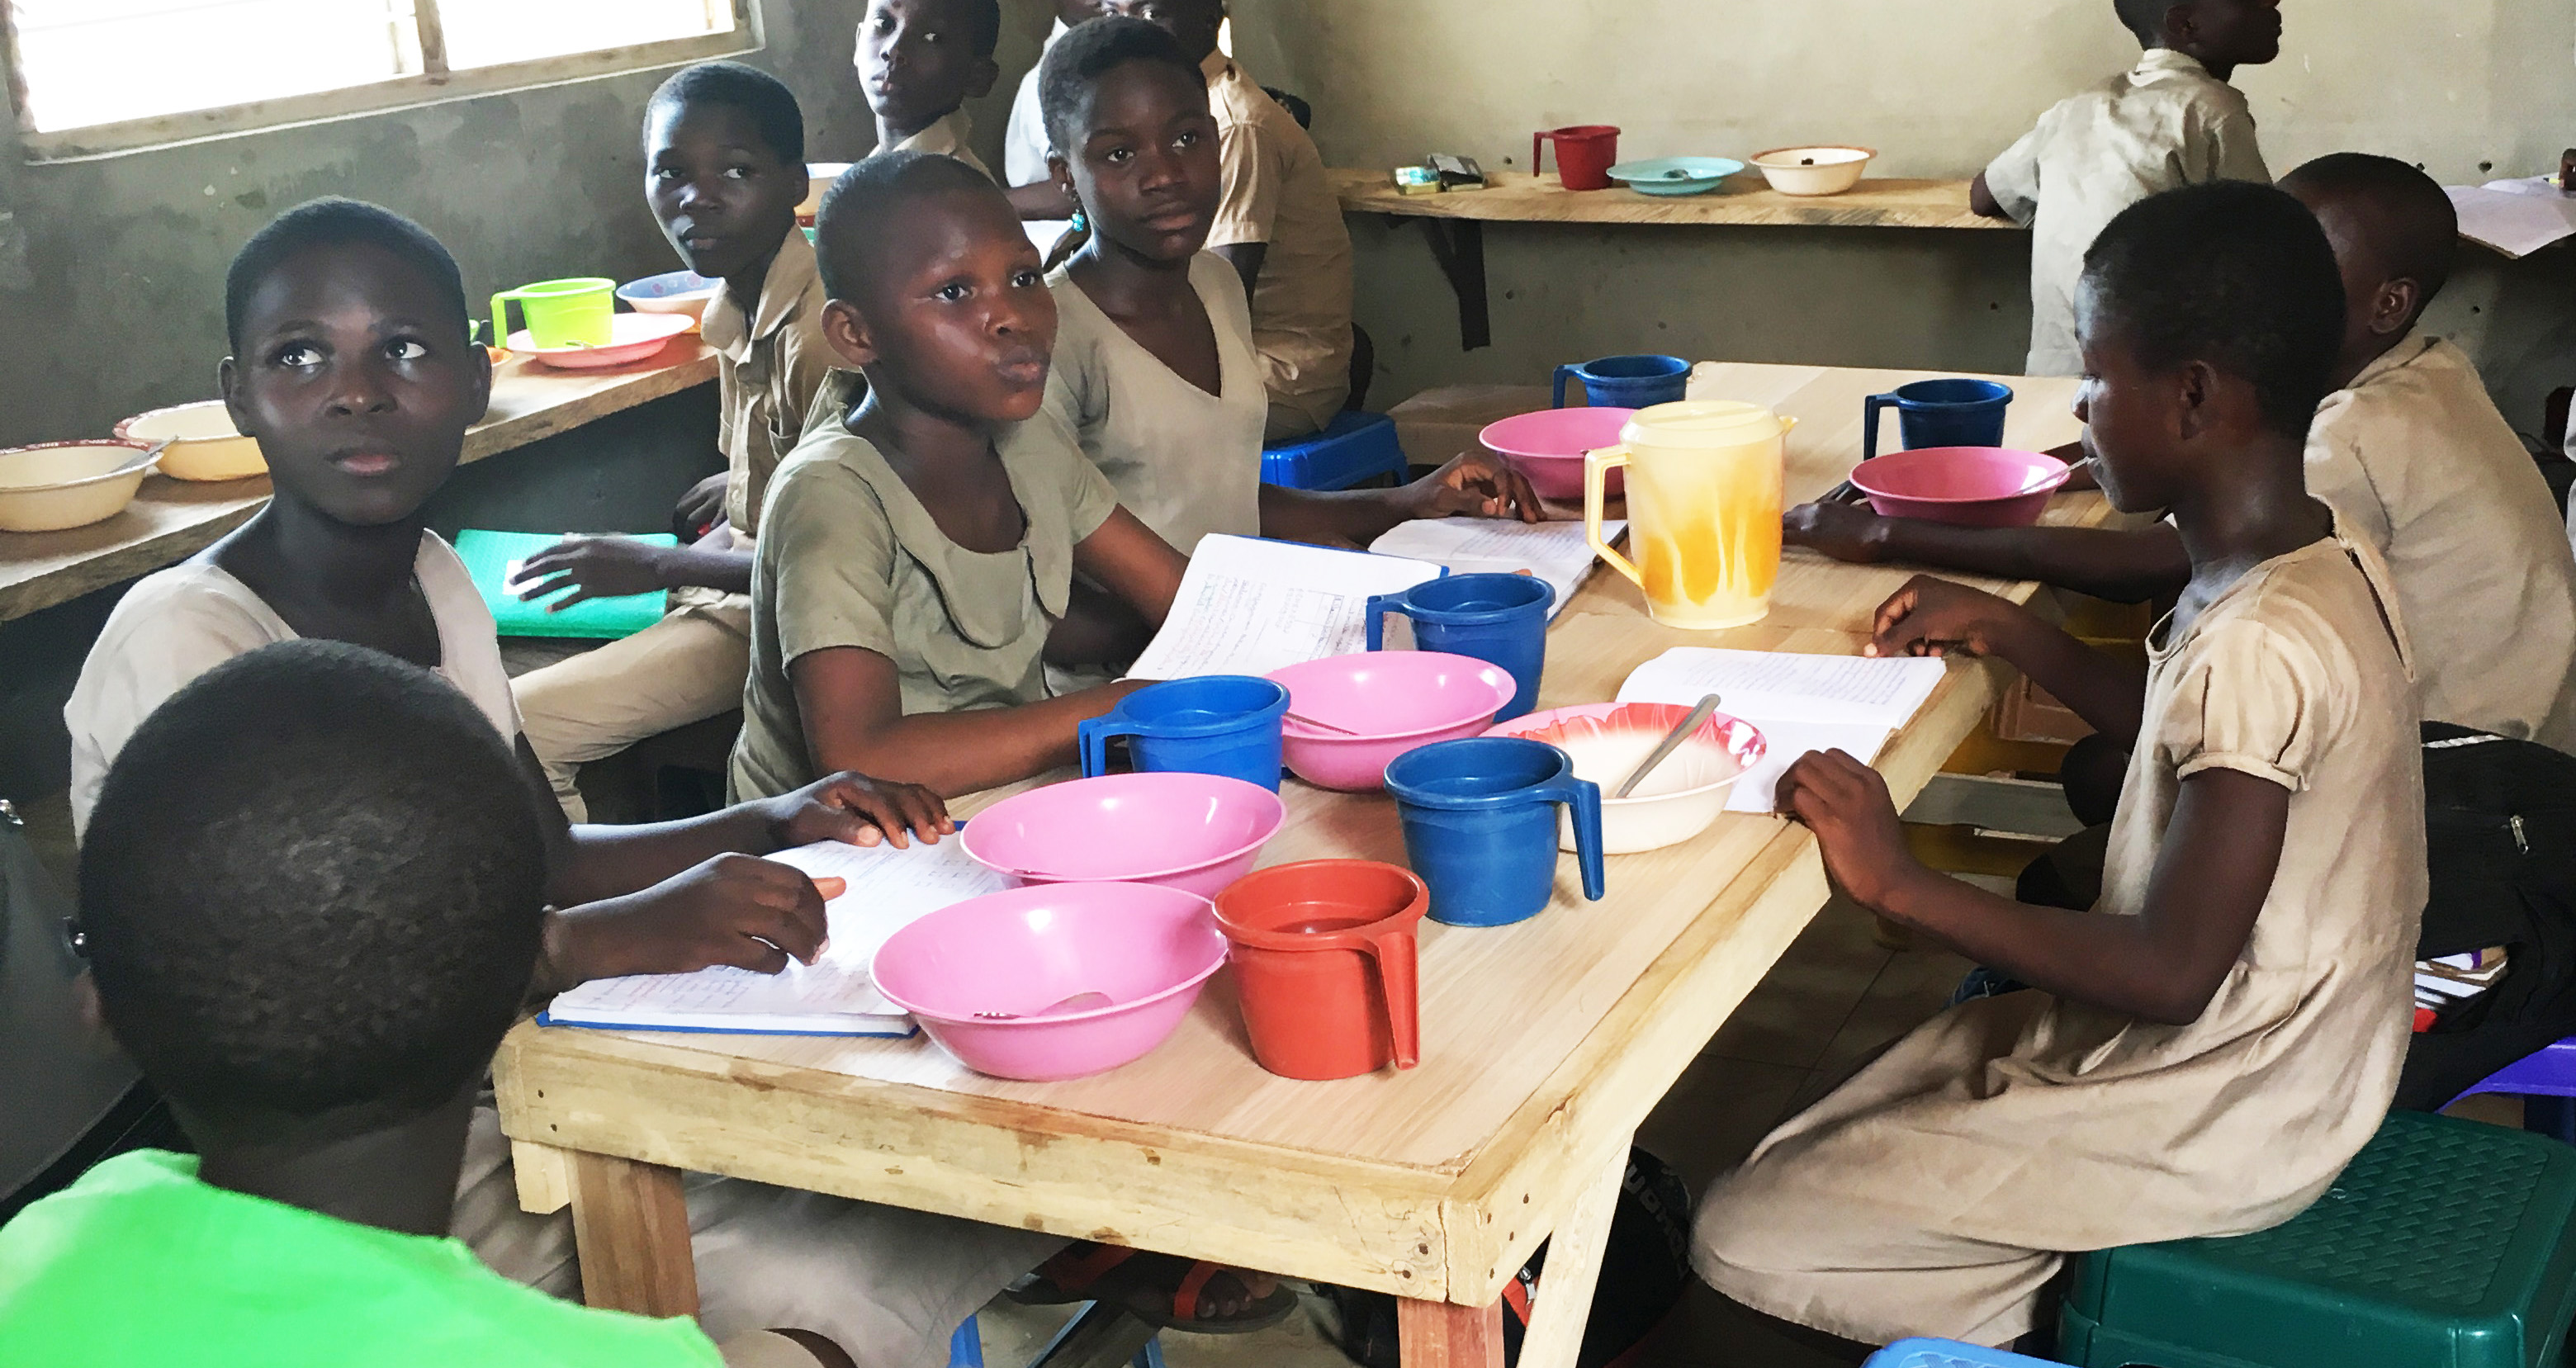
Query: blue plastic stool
1357	446
1929	1353
2546	1081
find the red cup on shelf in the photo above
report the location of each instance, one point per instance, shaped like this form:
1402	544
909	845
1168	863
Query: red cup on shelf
1584	154
1324	962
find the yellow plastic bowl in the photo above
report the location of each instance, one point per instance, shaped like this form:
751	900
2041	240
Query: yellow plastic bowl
202	442
55	485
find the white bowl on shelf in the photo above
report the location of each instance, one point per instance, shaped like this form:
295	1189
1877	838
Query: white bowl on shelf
56	485
201	443
1819	170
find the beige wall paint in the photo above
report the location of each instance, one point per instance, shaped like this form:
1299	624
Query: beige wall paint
2473	89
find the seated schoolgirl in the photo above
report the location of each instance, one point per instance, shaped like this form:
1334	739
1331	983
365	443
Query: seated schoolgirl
2203	1050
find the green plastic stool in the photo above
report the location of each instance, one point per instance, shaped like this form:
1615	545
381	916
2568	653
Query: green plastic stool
2445	1244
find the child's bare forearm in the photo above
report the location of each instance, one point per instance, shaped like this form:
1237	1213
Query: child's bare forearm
966	752
2107	692
2123	566
1341	518
686	566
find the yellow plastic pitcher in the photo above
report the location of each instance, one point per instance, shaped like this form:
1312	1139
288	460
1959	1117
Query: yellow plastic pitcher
575	312
1703	509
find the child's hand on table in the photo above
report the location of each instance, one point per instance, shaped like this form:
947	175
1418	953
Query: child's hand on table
737	910
855	809
1846	532
1932	616
1476	484
1847	805
592	567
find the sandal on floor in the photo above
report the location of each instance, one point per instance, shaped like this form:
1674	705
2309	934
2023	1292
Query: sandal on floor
1079	1275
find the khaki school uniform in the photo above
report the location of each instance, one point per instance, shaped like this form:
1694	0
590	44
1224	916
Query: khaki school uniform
886	1284
2419	465
1026	145
690	666
1936	1192
2165	123
1275	192
1185	461
850	557
946	136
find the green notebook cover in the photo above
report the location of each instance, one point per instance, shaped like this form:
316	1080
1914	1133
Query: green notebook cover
490	556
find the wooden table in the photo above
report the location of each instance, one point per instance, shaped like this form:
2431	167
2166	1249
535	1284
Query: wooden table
1544	1044
171	520
1455	221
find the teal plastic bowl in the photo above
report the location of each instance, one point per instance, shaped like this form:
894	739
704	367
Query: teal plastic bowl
1675	175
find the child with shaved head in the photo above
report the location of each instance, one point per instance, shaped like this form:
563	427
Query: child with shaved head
2172	120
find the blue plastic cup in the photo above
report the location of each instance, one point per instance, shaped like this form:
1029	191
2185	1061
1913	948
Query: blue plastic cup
1498	619
1215	724
1627	381
1480	825
1939	413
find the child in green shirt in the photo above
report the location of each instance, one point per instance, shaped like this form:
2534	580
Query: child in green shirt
311	892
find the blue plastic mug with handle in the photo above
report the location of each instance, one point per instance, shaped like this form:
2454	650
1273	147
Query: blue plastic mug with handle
1939	413
1480	825
1214	724
1498	619
1627	381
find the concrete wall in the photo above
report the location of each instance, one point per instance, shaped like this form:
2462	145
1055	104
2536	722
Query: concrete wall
2471	88
111	270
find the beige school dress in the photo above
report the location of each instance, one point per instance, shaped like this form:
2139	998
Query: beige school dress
1276	192
1935	1192
850	557
2165	123
2420	466
690	665
1185	461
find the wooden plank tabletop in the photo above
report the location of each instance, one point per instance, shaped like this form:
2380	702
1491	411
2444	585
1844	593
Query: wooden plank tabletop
171	520
1545	1044
1518	197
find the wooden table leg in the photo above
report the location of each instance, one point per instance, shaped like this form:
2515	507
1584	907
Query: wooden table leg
1562	1305
1439	1335
630	1226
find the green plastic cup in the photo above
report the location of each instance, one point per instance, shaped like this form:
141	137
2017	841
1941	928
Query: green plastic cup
561	313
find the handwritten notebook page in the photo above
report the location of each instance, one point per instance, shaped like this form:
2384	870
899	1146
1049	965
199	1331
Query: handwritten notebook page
1248	606
1802	703
889	889
1553	551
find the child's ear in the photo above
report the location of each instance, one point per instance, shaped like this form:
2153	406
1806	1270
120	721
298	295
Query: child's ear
228	384
1061	171
2393	312
478	370
2196	389
848	334
981	76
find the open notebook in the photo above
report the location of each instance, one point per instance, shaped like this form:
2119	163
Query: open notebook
493	559
1248	606
1802	703
889	889
1553	551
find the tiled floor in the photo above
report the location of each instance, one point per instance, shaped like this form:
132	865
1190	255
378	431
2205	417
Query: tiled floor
1834	999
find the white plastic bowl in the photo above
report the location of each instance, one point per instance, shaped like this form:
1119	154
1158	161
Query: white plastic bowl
820	177
1822	170
201	442
54	485
1679	800
672	292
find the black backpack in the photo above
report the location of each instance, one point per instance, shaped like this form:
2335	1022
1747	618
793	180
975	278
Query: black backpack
2500	839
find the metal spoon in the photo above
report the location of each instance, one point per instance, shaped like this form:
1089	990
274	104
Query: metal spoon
1079	1002
1672	742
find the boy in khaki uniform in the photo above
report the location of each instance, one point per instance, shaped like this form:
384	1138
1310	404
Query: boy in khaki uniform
726	146
920	61
1279	224
2172	120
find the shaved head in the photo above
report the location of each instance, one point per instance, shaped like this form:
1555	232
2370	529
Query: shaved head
2146	18
856	234
2399	215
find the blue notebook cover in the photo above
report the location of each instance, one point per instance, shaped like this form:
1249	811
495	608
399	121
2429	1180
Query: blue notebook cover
490	556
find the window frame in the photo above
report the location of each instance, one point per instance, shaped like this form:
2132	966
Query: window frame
435	86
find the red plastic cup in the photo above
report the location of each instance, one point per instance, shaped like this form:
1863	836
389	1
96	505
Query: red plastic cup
1324	965
1584	154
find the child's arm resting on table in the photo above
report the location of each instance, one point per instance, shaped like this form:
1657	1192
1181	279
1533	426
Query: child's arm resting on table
1473	485
2163	965
2122	566
851	700
612	567
1935	617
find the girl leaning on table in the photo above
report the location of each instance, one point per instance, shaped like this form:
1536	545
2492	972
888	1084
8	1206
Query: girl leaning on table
2201	1052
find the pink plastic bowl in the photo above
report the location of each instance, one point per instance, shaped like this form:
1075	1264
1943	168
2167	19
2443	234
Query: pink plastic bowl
1193	832
1393	701
1968	486
1147	949
1548	446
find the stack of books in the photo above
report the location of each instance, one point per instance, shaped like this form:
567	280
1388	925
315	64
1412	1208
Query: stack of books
2445	985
